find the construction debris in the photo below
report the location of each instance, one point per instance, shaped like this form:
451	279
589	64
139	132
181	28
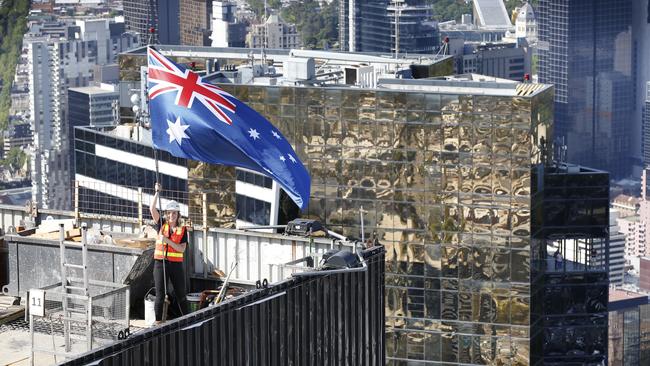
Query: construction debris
48	226
140	243
10	309
49	229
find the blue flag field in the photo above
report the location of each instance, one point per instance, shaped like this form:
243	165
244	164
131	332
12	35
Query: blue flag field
196	120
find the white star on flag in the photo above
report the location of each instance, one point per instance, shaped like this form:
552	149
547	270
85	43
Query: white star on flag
253	134
176	130
275	134
282	158
293	160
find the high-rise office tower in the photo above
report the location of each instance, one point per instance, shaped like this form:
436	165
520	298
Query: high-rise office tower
641	42
365	26
616	250
585	50
112	38
195	22
61	56
227	31
54	65
161	15
646	127
629	328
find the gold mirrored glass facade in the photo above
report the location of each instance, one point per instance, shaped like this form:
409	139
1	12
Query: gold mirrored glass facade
445	180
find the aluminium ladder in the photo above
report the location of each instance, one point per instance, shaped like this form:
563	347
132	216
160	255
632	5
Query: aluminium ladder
79	294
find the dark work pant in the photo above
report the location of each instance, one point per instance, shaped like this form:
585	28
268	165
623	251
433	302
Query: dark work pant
176	276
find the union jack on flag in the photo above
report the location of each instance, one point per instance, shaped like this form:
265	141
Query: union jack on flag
169	78
193	119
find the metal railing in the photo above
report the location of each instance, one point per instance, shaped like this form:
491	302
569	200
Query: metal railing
130	203
126	210
333	319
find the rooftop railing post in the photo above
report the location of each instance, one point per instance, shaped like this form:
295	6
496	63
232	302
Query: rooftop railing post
76	200
204	204
140	219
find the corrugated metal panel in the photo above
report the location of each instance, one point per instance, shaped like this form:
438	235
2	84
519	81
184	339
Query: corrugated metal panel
335	319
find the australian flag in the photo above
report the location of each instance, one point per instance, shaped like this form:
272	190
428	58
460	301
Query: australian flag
193	119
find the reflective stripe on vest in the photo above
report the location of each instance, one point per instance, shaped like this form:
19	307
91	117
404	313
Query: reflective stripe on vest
172	255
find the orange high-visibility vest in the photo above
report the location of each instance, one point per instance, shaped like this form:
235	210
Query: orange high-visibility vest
171	254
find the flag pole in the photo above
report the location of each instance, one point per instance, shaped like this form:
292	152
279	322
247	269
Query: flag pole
159	203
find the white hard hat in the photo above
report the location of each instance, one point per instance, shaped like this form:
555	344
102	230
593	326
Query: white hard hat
172	206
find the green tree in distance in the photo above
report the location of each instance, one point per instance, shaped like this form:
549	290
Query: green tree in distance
15	159
446	10
13	25
318	27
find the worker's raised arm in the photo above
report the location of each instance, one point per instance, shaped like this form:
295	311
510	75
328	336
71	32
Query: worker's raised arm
154	203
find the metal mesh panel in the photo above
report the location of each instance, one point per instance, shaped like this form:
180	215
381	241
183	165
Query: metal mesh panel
68	317
97	199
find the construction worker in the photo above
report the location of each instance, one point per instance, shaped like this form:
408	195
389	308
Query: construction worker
168	264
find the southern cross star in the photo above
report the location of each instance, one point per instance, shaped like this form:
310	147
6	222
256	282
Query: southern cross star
293	160
176	130
253	134
275	134
282	158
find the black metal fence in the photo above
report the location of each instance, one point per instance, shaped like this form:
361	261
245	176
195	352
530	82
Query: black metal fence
335	319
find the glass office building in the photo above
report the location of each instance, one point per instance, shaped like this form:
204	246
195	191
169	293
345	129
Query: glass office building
445	181
161	15
569	272
109	168
629	329
370	26
445	171
585	50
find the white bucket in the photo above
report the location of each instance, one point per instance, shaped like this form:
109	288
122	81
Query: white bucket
149	310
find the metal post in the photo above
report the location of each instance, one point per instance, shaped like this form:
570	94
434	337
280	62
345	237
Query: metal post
204	201
64	290
363	234
84	256
31	336
89	330
76	200
140	220
127	317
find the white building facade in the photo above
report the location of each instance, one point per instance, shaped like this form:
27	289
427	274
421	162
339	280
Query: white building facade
526	24
57	61
635	236
55	65
274	33
616	250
